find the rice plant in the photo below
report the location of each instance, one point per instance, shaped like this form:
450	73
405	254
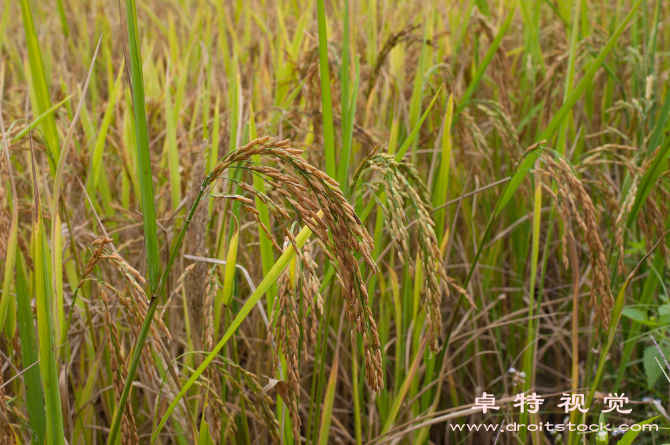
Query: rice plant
311	221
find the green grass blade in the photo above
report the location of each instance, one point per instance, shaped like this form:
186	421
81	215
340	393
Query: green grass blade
529	352
3	25
463	26
172	151
10	255
355	389
95	165
83	395
442	183
39	80
56	271
204	437
10	315
267	251
148	208
48	362
142	143
327	414
658	165
405	146
657	135
231	261
347	138
397	402
39	120
569	79
344	80
326	94
63	19
213	153
31	377
371	31
212	156
417	88
234	104
631	435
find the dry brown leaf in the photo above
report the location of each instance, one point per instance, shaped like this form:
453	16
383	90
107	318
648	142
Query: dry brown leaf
282	389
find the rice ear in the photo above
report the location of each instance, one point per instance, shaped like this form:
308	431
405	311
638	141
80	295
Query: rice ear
571	198
195	282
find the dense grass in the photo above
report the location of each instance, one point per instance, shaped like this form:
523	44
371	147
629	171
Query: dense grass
452	198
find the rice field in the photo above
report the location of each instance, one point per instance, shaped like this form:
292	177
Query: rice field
334	222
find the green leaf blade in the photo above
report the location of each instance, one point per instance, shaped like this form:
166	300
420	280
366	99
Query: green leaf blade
39	79
29	356
326	94
143	153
